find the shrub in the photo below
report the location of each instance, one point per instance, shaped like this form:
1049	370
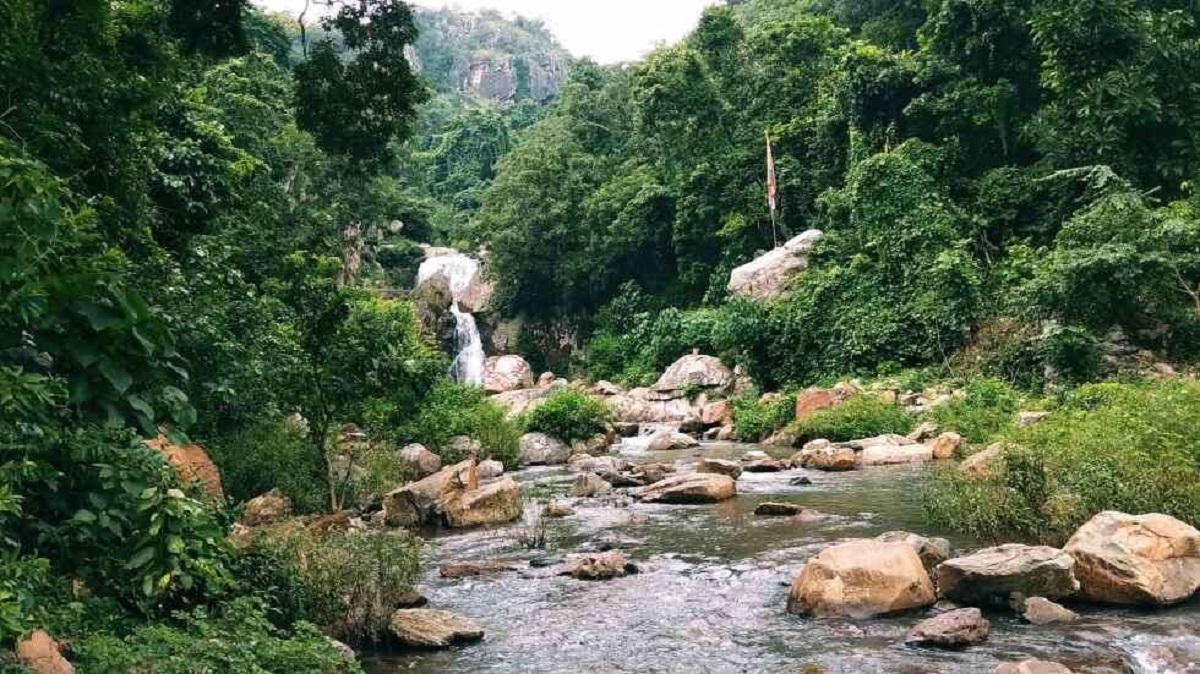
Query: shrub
754	420
271	455
237	640
453	411
990	406
859	417
570	416
1127	447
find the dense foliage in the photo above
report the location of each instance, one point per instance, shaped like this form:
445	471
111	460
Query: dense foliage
972	162
1106	447
570	416
452	413
861	416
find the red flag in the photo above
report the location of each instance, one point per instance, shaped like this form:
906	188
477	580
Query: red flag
772	185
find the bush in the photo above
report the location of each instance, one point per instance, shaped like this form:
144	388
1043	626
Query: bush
453	411
570	416
1127	447
271	455
859	417
237	640
754	420
990	406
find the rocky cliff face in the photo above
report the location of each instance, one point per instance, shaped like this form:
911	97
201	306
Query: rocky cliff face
488	56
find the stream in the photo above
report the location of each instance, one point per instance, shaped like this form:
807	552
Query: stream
713	584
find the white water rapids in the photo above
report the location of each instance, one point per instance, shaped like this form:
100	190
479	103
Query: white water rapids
461	270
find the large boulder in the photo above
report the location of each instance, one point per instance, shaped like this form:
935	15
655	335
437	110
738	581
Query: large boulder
831	459
860	579
720	467
769	276
947	445
495	503
192	464
523	401
539	449
42	654
690	488
643	406
695	371
429	628
420	461
890	454
717	413
1143	559
425	501
993	575
932	551
953	629
502	374
667	440
268	508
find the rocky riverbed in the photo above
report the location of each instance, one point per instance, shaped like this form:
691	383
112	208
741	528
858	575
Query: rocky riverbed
711	588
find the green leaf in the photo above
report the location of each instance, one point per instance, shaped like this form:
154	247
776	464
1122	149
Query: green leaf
175	544
140	558
101	318
116	375
85	516
148	585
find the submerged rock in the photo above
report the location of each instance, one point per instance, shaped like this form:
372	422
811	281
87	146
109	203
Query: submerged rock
1144	559
1031	667
778	509
690	488
860	579
992	575
954	629
430	628
765	466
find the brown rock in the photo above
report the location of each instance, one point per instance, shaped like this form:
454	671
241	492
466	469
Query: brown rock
268	508
502	374
42	655
667	440
470	569
420	502
690	488
994	574
1146	559
649	473
1042	611
833	459
192	464
816	400
420	460
923	432
716	413
1031	667
558	510
720	467
429	628
983	465
598	566
488	470
546	380
953	629
495	503
947	445
932	551
765	466
859	579
588	485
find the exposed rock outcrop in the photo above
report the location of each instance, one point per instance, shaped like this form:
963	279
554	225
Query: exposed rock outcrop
1145	559
860	579
690	488
453	496
502	374
192	464
429	628
268	508
695	372
993	575
42	654
769	276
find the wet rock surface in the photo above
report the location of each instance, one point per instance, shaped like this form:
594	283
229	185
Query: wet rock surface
954	629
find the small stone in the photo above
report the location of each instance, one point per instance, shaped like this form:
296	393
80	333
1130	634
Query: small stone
557	510
954	629
778	509
588	485
947	445
1031	667
765	466
800	481
719	467
1027	419
1042	611
464	569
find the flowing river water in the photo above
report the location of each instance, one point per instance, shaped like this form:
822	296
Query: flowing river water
713	584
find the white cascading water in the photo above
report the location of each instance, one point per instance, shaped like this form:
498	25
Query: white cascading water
467	367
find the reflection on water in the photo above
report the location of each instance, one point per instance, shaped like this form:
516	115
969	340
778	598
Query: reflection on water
713	584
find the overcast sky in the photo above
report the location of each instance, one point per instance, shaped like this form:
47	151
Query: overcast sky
606	30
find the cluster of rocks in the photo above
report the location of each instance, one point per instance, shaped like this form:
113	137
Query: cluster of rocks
1118	559
455	496
917	447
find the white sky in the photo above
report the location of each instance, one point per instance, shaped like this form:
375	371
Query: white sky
606	30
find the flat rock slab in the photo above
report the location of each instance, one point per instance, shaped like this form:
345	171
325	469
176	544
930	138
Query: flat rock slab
690	488
993	575
431	628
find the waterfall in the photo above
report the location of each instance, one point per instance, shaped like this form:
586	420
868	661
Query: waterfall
460	270
467	367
